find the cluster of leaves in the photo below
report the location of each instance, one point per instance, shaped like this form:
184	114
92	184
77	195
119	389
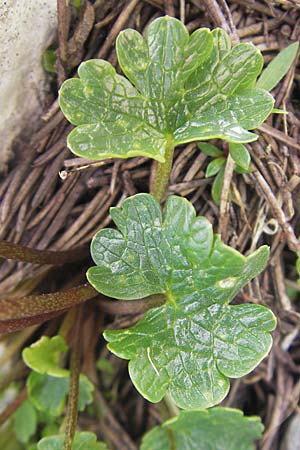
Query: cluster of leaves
47	388
269	78
179	88
190	430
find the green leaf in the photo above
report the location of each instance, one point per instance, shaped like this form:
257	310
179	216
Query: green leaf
25	422
49	393
277	68
209	149
49	61
179	88
195	341
86	390
43	356
215	166
240	155
240	170
216	189
216	429
82	441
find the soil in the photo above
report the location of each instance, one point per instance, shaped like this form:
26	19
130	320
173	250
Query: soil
42	210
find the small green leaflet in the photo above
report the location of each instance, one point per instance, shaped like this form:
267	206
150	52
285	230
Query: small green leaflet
216	429
25	422
277	68
43	356
217	186
179	88
240	155
82	441
195	341
215	166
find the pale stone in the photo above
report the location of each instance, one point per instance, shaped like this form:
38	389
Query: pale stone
292	435
27	28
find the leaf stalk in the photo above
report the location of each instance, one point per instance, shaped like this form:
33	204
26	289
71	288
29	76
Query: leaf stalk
163	171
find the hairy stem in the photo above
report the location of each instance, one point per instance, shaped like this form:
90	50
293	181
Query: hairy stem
9	250
19	313
72	408
163	172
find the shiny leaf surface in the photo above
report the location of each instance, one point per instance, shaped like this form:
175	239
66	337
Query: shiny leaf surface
215	429
195	341
179	88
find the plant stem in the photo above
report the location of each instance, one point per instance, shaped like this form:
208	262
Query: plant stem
72	408
142	305
16	314
9	250
172	407
163	172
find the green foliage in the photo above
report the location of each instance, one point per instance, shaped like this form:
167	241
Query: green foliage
25	422
278	67
49	61
195	341
184	88
82	441
239	154
48	384
215	166
215	429
48	393
210	150
217	186
43	356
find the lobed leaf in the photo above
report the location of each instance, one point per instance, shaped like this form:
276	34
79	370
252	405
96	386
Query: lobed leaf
82	441
179	88
216	429
196	340
43	356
